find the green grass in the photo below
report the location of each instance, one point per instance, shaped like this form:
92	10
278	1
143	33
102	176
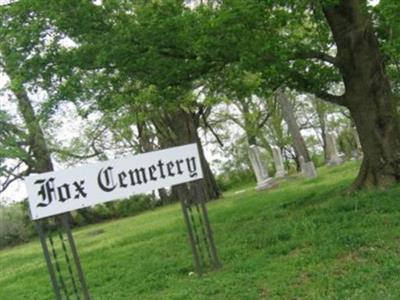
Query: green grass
303	240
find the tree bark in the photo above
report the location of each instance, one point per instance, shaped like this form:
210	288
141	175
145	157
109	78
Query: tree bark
145	145
37	142
249	125
42	159
368	93
182	129
41	155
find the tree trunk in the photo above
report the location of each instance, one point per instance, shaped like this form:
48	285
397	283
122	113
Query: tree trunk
380	139
145	145
182	129
368	93
41	161
41	156
248	123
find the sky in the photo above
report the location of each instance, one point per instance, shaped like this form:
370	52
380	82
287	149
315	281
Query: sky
5	2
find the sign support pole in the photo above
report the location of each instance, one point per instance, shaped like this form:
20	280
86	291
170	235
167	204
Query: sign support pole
209	234
191	236
75	255
49	263
216	262
200	233
53	265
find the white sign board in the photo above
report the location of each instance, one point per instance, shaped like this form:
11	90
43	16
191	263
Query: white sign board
62	191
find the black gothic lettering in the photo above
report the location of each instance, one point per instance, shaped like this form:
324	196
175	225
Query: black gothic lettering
63	192
121	178
160	166
47	191
191	166
152	170
178	165
79	188
105	179
170	165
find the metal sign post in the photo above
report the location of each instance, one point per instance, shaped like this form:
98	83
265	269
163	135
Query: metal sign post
66	276
200	234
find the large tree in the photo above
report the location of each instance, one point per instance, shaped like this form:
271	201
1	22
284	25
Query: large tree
368	93
312	46
306	45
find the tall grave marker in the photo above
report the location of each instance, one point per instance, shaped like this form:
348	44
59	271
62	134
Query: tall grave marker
279	166
263	180
333	155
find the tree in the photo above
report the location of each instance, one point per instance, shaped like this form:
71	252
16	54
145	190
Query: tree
307	46
308	35
368	93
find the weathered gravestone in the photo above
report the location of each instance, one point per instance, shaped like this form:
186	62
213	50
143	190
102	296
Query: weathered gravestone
358	153
279	166
263	180
307	168
332	154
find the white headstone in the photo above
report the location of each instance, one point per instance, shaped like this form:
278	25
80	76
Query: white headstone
263	180
307	168
333	157
280	168
358	153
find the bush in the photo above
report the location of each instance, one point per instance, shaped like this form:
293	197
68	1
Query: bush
114	210
14	226
318	159
231	179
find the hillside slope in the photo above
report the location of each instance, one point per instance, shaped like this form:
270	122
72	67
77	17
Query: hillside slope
303	240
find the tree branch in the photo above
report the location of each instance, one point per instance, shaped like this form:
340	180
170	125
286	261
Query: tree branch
77	156
262	123
11	177
212	130
317	55
339	100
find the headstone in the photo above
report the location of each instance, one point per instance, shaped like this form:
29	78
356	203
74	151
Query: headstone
263	180
307	168
280	168
332	154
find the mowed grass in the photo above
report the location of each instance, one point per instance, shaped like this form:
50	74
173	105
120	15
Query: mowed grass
303	240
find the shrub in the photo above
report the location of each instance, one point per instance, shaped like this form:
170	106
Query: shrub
231	179
14	226
114	210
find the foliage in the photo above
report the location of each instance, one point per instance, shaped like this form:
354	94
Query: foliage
143	55
388	29
14	226
114	210
347	143
232	179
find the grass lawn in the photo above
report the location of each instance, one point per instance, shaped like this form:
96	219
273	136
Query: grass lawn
303	240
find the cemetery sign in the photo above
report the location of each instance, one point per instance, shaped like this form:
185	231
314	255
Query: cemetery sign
58	192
